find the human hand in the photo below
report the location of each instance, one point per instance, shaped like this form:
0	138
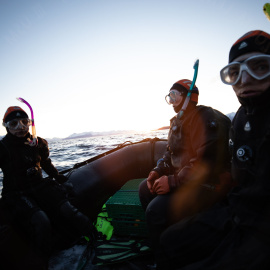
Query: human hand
161	185
153	175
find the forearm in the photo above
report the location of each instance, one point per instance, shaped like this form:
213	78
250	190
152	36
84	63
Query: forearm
49	168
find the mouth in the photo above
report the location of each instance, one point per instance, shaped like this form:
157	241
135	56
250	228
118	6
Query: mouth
250	93
21	133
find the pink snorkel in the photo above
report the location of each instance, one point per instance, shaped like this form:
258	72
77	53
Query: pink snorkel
34	142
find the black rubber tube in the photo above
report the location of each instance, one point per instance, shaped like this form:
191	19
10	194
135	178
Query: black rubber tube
97	181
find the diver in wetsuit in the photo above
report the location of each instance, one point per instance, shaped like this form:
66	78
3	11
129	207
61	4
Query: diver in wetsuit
193	173
36	206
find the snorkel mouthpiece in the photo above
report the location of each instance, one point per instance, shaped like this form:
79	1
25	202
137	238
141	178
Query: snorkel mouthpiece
33	142
196	67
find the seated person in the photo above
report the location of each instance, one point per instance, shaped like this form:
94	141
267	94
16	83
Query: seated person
195	165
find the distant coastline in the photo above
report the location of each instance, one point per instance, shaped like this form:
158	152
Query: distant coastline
112	132
162	128
96	134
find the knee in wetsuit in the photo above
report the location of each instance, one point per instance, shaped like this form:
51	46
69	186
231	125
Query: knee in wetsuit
83	225
42	231
145	195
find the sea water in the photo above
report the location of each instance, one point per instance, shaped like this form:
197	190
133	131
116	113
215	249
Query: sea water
65	153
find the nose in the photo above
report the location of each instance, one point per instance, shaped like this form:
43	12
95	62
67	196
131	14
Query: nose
245	77
20	125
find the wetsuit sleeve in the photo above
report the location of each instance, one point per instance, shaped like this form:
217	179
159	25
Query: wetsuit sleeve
164	166
209	134
46	162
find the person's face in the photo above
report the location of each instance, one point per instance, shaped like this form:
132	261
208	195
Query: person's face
174	98
247	86
19	129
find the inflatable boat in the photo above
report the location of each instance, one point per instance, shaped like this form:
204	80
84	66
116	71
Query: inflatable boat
97	180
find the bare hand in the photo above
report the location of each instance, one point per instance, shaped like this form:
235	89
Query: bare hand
161	185
153	175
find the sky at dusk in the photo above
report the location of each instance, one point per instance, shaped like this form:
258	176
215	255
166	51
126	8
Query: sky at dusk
101	65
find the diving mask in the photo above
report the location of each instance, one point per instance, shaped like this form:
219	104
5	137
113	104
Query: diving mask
257	66
16	123
173	97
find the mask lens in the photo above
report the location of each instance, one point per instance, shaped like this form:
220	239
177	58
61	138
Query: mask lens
168	99
25	122
259	66
230	74
13	124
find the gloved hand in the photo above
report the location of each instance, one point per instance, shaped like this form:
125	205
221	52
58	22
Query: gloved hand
153	175
161	185
61	179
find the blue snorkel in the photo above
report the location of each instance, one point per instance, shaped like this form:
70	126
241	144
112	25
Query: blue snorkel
196	67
